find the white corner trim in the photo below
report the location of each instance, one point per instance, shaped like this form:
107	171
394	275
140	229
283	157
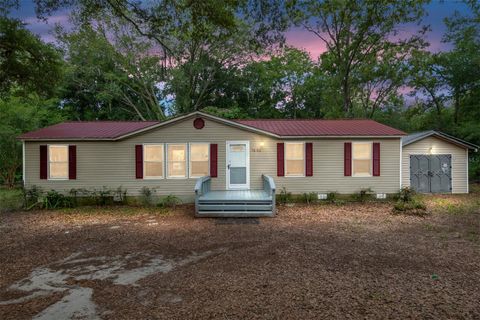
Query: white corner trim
401	164
23	163
468	180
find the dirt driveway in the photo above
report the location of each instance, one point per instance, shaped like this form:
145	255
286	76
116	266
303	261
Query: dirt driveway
310	262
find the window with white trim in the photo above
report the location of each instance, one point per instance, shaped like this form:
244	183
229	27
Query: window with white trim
199	159
177	160
294	159
153	161
362	159
58	162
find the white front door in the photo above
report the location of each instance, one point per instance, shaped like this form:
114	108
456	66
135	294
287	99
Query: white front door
238	165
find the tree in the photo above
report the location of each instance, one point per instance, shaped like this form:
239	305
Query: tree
107	79
272	87
357	31
30	72
18	115
425	79
459	71
26	62
198	41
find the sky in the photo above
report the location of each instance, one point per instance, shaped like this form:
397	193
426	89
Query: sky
437	10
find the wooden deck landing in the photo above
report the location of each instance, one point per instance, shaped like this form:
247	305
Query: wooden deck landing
234	203
236	195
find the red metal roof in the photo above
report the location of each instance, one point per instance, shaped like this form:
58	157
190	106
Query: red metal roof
88	130
110	130
345	127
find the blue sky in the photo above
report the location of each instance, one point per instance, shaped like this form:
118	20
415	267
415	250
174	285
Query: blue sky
437	10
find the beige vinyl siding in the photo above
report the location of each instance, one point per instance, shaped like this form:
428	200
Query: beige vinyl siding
459	160
112	164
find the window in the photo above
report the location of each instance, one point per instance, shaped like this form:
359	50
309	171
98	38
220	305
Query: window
58	162
177	161
294	159
362	159
199	159
153	160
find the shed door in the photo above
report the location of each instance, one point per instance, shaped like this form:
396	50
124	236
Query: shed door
431	173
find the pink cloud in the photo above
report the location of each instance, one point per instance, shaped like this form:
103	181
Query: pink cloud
307	41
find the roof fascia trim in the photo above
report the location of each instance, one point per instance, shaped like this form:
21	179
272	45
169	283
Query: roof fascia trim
446	137
198	113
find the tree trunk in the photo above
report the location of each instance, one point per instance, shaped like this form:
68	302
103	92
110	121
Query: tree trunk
456	106
346	96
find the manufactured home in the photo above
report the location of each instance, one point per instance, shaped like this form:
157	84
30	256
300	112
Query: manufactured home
235	167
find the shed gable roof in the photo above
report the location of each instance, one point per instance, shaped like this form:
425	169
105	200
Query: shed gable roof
414	137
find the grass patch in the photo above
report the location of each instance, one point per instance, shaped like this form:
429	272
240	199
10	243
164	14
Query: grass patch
116	210
10	199
455	205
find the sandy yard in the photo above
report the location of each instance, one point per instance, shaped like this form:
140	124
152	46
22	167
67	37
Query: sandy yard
310	262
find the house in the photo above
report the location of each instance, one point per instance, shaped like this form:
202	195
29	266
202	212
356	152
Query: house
228	167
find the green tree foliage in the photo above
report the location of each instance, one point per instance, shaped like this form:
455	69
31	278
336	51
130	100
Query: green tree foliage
357	34
26	63
30	72
199	41
18	115
110	80
287	85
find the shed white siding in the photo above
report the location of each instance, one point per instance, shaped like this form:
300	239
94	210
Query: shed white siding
433	145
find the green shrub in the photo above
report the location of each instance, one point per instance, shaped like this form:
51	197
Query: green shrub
169	201
363	195
55	200
405	194
409	202
147	196
284	197
309	197
416	206
101	197
74	196
31	197
332	197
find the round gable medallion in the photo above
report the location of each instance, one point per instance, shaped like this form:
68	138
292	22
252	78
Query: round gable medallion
198	123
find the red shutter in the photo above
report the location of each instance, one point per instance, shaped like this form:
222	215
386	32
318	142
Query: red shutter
280	159
308	159
376	159
72	162
43	162
347	159
139	161
213	160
